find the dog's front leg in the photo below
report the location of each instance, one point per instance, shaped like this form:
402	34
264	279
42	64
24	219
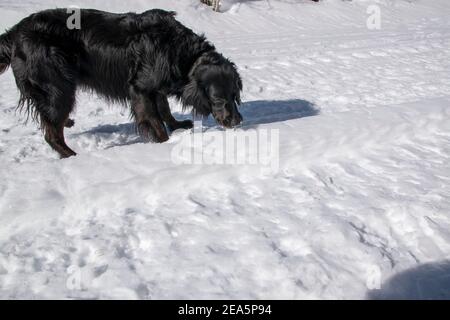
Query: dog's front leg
148	121
167	117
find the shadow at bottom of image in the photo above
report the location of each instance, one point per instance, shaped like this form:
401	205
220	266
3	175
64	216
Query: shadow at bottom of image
429	281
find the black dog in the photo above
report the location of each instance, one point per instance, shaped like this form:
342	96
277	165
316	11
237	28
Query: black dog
139	59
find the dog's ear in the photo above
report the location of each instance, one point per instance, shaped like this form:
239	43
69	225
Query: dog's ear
194	95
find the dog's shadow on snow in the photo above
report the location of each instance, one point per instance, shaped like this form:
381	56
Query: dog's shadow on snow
112	135
266	111
255	113
426	282
260	112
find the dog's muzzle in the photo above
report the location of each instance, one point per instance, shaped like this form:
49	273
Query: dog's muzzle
226	118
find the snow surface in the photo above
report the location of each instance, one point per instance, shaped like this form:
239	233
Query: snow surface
361	196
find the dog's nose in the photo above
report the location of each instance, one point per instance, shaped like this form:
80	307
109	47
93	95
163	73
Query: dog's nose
237	119
221	114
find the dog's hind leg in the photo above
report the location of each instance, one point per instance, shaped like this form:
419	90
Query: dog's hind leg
47	82
148	120
167	117
54	117
53	107
54	135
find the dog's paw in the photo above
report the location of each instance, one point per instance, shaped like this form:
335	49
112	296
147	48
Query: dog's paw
151	131
186	124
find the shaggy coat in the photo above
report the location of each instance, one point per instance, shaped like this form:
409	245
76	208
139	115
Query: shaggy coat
134	59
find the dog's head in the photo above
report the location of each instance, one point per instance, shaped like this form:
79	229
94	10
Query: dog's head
214	88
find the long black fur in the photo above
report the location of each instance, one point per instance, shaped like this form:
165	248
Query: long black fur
127	58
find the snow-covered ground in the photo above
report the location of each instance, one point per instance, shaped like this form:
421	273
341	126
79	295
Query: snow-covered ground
361	194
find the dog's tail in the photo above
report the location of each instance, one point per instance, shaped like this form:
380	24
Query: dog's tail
5	51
